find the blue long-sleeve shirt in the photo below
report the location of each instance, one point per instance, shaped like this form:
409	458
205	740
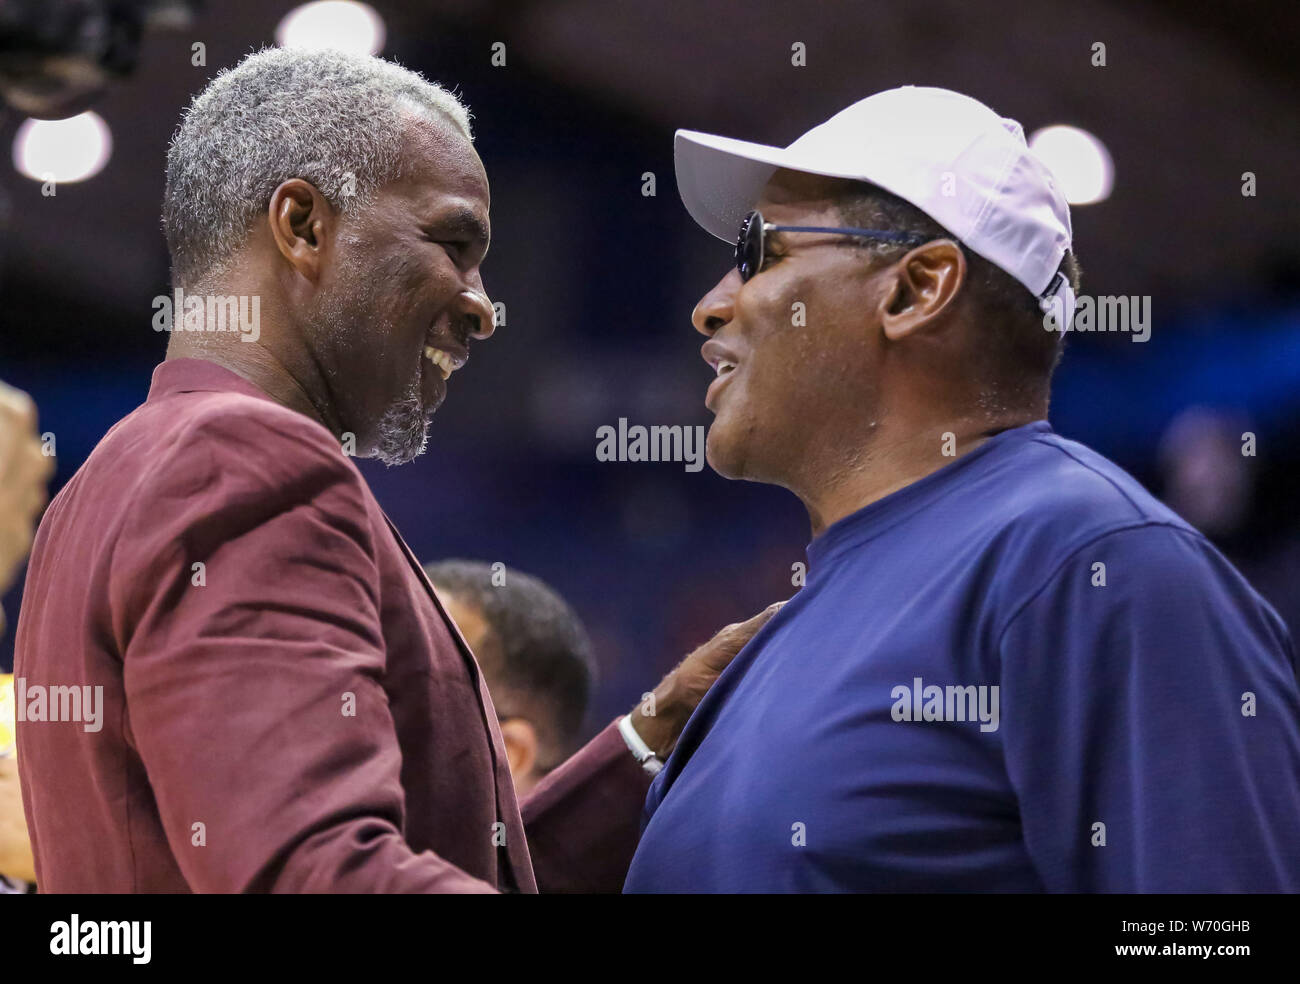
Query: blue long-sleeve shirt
1021	673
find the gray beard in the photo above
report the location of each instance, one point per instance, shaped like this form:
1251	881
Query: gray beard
403	429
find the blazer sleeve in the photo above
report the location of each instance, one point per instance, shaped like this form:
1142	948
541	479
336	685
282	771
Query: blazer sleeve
584	819
243	598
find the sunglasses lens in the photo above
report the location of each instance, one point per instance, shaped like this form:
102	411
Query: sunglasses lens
749	248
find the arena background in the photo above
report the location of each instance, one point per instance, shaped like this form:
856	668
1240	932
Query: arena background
599	279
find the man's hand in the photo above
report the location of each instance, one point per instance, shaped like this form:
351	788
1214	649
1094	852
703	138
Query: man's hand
681	690
24	471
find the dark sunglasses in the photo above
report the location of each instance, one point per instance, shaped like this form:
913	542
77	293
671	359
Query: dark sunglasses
751	245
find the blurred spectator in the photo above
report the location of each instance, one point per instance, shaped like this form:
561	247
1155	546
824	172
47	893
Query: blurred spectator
1210	480
24	470
535	656
17	869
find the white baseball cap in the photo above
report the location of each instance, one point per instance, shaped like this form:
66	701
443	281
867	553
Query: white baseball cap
948	154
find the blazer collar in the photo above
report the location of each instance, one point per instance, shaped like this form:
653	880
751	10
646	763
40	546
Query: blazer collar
198	375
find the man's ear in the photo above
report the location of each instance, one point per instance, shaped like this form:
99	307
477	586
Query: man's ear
520	738
302	226
923	284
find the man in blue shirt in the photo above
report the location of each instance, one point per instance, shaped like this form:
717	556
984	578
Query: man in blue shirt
1010	668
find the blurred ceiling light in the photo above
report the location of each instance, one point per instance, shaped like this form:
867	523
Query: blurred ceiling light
1078	160
63	150
340	24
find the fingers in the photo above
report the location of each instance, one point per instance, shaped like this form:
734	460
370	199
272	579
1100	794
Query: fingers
16	404
754	623
734	637
762	617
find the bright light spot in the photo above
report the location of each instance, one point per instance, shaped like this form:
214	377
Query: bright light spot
1079	162
63	150
338	24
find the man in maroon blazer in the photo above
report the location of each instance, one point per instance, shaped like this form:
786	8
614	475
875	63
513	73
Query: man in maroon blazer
234	675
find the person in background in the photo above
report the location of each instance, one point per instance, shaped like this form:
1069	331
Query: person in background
24	472
17	867
535	655
1208	479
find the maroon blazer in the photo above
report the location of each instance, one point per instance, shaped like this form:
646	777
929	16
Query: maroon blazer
285	705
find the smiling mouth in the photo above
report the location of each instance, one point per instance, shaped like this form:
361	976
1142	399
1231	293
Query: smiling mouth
444	362
724	369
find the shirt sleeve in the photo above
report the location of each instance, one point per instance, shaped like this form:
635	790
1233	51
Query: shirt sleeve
584	819
1150	722
244	601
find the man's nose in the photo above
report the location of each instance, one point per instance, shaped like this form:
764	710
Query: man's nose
475	310
715	307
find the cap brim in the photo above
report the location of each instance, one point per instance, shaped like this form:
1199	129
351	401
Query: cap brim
720	179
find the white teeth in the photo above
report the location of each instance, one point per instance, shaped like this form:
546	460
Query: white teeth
724	367
440	359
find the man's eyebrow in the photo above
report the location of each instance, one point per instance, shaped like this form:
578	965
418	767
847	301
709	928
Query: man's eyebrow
465	223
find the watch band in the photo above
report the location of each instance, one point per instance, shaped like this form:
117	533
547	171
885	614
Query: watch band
642	752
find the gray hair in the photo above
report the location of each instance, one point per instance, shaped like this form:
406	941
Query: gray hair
329	117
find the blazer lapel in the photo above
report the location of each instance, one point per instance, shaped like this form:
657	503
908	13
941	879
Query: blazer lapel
486	712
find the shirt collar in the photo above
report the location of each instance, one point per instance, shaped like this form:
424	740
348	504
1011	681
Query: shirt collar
876	517
198	375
